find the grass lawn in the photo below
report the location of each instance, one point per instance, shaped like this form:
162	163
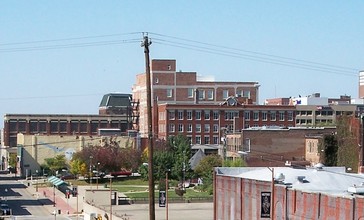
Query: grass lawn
190	193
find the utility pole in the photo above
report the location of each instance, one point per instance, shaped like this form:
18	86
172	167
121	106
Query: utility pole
146	43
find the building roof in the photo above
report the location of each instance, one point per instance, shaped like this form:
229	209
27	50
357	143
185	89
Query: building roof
116	100
328	180
196	158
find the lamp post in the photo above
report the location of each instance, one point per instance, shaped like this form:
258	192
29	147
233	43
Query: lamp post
98	175
36	183
167	187
91	157
54	195
111	198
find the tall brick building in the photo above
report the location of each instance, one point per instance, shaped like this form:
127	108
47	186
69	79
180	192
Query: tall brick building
187	88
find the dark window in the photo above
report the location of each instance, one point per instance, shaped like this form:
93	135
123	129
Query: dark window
63	126
54	127
94	126
21	126
33	126
74	126
103	124
42	126
12	125
83	127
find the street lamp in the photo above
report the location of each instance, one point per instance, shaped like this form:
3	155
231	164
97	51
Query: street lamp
97	177
91	157
167	187
36	182
54	195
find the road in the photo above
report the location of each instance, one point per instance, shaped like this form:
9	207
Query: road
24	205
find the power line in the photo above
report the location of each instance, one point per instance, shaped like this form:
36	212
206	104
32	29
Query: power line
253	52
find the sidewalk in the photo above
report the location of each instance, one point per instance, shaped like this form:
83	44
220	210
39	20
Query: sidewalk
55	201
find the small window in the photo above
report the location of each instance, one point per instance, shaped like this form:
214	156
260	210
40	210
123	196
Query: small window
198	115
190	92
169	93
225	94
210	94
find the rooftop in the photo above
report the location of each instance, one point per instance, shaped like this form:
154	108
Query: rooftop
327	180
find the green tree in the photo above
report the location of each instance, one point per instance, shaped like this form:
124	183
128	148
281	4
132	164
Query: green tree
205	170
237	162
348	149
56	163
328	145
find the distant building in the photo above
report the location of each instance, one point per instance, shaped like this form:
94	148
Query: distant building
186	88
116	111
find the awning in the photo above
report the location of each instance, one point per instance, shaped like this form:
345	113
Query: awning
55	181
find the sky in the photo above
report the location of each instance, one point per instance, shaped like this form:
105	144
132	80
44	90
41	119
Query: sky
61	57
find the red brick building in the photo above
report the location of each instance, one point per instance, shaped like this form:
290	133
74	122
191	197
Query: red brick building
186	88
305	193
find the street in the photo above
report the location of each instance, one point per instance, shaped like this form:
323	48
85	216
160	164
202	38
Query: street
23	203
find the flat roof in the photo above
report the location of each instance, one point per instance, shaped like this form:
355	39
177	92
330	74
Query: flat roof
328	180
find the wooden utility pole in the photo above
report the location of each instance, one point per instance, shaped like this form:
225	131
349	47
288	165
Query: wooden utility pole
146	44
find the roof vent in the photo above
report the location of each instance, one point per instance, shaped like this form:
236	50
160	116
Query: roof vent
279	177
356	189
302	179
318	166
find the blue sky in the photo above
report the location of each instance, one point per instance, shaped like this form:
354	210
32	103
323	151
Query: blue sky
62	56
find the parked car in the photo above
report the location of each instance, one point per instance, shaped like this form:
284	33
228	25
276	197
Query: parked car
5	209
68	177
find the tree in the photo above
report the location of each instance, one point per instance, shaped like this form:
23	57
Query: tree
108	155
205	170
329	148
56	163
237	162
347	141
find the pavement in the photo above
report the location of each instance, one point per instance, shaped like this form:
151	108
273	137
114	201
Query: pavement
55	201
73	207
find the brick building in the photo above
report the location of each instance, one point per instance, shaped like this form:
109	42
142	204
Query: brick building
287	193
186	88
116	112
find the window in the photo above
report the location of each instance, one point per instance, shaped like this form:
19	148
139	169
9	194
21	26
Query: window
290	115
171	128
256	116
189	128
180	115
264	116
201	94
54	126
246	94
215	128
239	93
225	94
272	115
198	128
198	115
207	128
216	115
207	140
189	115
171	115
210	94
190	93
230	115
169	93
63	126
198	139
215	140
247	115
281	116
207	115
180	127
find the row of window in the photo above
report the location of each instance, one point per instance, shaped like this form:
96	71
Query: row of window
204	140
208	94
56	126
197	128
229	115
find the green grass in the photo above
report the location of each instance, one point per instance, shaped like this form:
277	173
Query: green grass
190	193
